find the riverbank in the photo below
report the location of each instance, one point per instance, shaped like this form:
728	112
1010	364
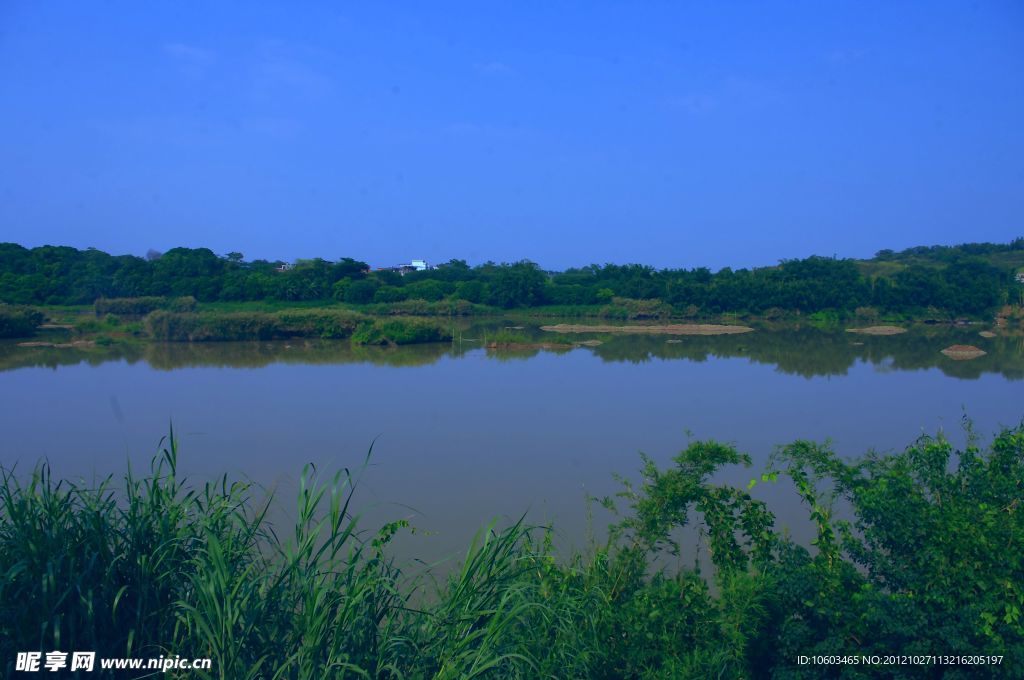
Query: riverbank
158	566
412	321
212	325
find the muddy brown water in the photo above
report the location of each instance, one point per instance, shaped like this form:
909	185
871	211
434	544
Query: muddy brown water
462	434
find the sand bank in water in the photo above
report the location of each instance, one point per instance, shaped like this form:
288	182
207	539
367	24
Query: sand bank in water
670	329
963	352
878	330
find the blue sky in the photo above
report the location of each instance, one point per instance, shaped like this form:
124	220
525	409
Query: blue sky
674	134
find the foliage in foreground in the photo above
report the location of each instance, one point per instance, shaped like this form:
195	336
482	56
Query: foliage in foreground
931	562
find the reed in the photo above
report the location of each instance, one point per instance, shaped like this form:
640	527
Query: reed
153	565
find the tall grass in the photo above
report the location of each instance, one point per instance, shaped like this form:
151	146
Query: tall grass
152	565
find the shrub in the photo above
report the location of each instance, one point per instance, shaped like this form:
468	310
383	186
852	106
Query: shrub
18	322
187	327
389	294
470	291
575	294
825	318
429	290
867	313
361	292
185	303
630	308
308	323
318	323
463	308
339	289
136	306
140	306
399	332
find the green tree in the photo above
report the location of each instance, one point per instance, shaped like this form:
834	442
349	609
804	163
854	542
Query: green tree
517	285
361	292
425	290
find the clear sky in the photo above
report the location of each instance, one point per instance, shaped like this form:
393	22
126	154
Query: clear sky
673	134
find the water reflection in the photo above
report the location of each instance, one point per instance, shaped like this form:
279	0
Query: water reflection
807	352
463	433
812	352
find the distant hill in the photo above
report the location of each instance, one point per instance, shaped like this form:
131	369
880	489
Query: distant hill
1008	256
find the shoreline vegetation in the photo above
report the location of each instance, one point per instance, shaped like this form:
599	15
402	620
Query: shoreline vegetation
157	319
194	295
929	561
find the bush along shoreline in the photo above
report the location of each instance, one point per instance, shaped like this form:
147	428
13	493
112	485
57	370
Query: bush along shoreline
929	564
19	321
299	323
229	326
178	320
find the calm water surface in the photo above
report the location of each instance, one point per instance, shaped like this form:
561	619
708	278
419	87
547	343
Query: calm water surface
462	434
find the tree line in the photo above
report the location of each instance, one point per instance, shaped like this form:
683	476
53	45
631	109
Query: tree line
955	280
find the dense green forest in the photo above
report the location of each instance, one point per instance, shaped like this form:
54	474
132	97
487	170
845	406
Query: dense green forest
942	281
925	558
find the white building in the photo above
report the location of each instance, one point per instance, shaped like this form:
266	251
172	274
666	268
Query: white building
414	266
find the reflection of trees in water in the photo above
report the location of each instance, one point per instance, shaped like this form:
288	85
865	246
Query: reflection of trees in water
169	356
256	354
811	352
806	352
522	353
12	356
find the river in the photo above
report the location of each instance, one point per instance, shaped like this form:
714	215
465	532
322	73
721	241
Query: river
462	434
